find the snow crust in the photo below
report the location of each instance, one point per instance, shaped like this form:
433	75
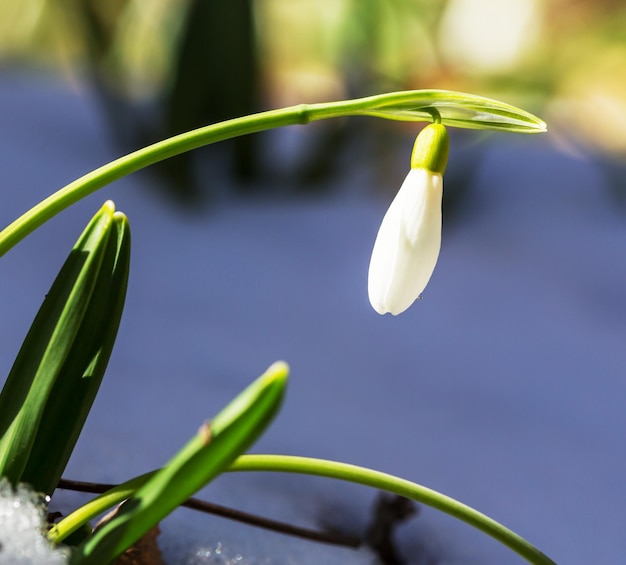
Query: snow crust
22	522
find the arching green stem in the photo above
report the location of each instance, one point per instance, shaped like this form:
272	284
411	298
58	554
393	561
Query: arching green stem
456	109
383	481
333	470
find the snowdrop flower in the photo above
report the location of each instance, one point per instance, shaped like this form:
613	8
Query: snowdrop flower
409	238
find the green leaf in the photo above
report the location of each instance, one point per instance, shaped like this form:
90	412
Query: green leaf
78	381
210	452
46	352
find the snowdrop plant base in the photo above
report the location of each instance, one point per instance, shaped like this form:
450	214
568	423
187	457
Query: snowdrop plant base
89	294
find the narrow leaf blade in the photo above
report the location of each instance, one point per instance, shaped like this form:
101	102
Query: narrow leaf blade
47	344
75	389
206	455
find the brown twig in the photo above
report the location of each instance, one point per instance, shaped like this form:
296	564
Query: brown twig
331	538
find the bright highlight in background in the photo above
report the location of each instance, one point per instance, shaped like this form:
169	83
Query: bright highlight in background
489	35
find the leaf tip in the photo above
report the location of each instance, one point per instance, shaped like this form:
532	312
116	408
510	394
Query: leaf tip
277	372
109	206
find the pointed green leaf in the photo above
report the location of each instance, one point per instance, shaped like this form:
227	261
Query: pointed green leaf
47	345
75	388
210	452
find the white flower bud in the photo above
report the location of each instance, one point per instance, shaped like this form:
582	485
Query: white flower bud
409	238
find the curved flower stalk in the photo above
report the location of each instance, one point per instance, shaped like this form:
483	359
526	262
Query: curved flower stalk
454	108
408	241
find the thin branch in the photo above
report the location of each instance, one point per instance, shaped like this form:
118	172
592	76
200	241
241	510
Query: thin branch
331	538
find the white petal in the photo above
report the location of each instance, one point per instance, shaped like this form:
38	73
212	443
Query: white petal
408	244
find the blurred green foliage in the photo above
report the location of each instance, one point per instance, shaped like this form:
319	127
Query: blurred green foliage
193	62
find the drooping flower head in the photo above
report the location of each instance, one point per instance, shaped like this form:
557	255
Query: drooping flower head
409	239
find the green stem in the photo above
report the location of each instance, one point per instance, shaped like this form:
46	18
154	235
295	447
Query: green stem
383	481
72	522
140	159
455	109
321	468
